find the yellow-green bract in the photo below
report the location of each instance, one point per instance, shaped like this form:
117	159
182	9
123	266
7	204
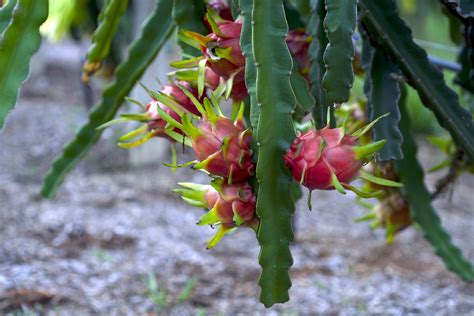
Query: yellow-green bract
188	15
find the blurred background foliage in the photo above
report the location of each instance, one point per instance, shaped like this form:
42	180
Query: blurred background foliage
428	20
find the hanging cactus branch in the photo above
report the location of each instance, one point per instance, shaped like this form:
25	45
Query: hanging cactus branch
109	20
275	132
388	30
19	40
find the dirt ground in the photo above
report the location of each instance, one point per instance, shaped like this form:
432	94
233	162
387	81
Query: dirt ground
112	228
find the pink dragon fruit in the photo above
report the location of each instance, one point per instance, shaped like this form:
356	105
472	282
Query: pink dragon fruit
392	213
221	145
170	102
230	205
221	52
328	159
156	123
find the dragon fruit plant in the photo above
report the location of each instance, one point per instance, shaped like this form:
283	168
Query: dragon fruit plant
281	64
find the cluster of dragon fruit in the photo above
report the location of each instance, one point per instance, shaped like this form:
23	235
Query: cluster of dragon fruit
188	110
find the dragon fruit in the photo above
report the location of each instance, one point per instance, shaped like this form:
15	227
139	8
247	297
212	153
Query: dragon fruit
170	102
230	205
221	52
330	159
221	145
326	159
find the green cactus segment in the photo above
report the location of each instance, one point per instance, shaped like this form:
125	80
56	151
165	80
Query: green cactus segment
250	70
109	20
304	99
385	28
18	43
188	15
470	41
383	94
142	52
422	212
339	23
6	14
316	53
275	134
463	78
234	8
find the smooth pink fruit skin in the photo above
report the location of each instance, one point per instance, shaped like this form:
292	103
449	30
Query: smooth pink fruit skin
305	155
211	197
212	79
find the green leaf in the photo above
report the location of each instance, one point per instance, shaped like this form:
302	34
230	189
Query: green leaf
109	20
316	53
422	212
339	23
385	28
156	30
18	43
383	94
250	70
188	15
274	136
6	14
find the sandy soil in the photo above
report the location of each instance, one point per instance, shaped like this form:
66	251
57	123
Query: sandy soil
112	228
